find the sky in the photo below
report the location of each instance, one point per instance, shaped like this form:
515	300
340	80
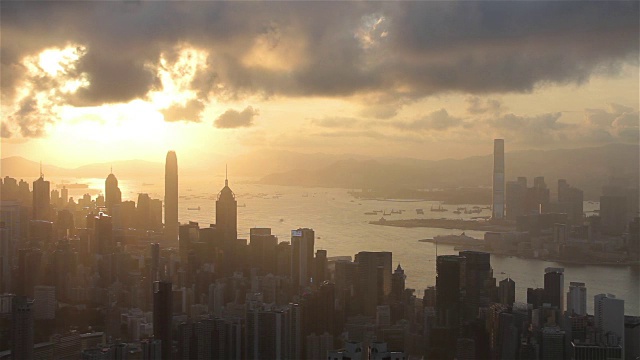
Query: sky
85	82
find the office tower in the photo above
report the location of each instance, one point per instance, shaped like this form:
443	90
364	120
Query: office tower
498	179
266	334
162	314
22	328
262	250
554	287
572	200
103	240
41	199
373	282
479	283
398	283
44	302
613	214
516	194
171	197
302	243
320	268
294	331
608	316
507	292
112	194
450	277
227	213
64	196
577	299
553	343
143	212
29	271
155	262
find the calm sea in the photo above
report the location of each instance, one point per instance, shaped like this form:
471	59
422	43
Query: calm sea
342	228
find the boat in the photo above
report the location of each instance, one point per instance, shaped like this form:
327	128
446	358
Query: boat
196	208
147	184
438	209
462	208
396	211
281	220
371	213
242	205
72	186
420	211
386	213
457	212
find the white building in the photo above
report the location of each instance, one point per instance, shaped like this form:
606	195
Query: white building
609	319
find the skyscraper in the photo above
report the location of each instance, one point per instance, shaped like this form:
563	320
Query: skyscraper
498	178
450	275
608	316
22	328
373	279
162	314
577	299
171	197
227	213
554	287
41	199
112	192
302	244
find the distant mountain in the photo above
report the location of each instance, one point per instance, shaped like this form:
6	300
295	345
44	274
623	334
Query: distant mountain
585	168
19	167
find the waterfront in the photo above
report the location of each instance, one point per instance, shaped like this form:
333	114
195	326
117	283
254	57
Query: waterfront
342	228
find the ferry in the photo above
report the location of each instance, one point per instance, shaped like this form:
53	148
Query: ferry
420	211
438	209
371	213
197	208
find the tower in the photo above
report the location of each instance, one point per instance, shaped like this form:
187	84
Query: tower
498	179
554	287
41	199
22	328
171	198
227	213
577	299
162	314
302	244
112	192
608	315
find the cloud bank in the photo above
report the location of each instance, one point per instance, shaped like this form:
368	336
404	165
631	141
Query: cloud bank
392	52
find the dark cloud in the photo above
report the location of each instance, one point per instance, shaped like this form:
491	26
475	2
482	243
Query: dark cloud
438	120
233	119
476	106
403	50
4	130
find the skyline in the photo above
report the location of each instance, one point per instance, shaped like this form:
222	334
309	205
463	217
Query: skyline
424	80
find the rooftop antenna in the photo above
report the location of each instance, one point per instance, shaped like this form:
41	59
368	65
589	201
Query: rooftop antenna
41	174
226	178
111	169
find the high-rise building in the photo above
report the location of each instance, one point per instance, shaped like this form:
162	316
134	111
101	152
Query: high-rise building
302	244
41	199
577	299
155	261
112	194
478	282
44	302
262	250
373	283
22	328
554	287
171	198
227	213
608	316
507	292
450	283
498	179
103	241
516	198
162	314
553	343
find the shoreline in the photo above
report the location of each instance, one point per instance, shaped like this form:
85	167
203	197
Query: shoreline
450	224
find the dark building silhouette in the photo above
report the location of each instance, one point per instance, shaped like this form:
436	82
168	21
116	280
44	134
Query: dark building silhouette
507	292
22	328
155	261
262	250
302	246
162	314
478	282
103	240
41	199
516	198
554	287
171	198
373	283
320	270
112	194
449	285
498	179
227	213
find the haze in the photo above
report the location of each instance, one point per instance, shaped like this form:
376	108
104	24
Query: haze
104	81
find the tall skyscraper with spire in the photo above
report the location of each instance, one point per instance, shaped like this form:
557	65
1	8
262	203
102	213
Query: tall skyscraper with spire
227	213
112	194
498	179
171	197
